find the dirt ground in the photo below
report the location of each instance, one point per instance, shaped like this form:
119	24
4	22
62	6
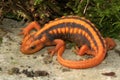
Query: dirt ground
16	66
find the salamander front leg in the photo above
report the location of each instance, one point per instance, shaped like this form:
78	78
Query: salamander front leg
84	50
31	26
59	43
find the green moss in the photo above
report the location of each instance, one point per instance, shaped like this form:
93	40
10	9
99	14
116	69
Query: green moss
105	14
1	40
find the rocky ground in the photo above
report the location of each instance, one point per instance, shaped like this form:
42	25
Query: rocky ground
40	66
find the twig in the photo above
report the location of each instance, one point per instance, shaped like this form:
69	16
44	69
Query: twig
86	7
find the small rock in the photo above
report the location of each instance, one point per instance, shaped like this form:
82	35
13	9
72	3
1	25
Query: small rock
34	74
47	59
109	74
40	73
65	70
14	70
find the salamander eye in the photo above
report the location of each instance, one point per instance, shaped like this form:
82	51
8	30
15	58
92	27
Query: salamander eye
33	47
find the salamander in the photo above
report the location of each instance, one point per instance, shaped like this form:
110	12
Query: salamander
75	29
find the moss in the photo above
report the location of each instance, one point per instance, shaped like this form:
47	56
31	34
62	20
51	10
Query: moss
1	40
105	14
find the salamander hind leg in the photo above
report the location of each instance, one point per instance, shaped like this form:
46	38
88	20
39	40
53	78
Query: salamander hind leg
110	43
83	50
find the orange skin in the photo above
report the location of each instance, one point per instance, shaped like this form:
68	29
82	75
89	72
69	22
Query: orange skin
91	62
31	45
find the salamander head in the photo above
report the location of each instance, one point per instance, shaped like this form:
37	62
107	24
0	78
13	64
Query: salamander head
31	45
